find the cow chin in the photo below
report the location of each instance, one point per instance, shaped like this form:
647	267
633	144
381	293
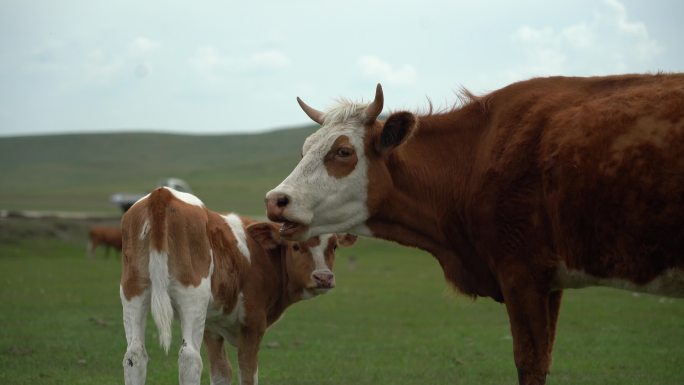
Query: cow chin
318	290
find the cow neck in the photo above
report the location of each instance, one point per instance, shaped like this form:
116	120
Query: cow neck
429	175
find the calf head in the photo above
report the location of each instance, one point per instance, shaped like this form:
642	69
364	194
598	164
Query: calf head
342	178
307	264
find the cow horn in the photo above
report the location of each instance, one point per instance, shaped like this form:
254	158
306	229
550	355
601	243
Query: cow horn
314	114
375	108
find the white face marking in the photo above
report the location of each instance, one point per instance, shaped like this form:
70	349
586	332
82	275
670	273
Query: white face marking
670	283
235	224
325	203
186	197
318	253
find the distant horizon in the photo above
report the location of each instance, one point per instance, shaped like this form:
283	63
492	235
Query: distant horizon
154	132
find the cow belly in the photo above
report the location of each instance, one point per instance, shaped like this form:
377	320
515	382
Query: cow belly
669	283
227	325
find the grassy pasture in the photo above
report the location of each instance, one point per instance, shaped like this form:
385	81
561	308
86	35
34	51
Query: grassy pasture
79	172
391	320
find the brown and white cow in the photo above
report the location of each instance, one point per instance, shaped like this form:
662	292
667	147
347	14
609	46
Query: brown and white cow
225	277
107	236
546	184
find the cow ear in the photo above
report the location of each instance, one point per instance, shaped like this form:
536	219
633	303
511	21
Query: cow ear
346	239
396	130
266	234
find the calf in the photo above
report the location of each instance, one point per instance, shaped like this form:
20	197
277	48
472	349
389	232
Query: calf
109	237
225	277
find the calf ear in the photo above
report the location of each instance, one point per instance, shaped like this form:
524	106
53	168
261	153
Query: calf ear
266	234
346	239
396	130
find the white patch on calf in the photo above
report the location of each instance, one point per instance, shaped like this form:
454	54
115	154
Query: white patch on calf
669	283
162	311
227	325
186	197
235	224
145	230
134	319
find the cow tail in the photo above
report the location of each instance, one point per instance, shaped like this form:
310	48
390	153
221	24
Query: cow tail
162	310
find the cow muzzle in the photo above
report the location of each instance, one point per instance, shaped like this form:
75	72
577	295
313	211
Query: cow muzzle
323	280
279	209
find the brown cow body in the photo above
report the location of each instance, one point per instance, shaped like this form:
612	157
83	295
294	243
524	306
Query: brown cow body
109	237
543	185
228	278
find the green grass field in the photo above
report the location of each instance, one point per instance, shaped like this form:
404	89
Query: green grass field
391	320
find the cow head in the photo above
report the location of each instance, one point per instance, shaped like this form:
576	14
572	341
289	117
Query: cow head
342	177
308	264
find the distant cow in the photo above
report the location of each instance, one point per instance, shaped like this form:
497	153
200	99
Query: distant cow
107	236
543	185
226	277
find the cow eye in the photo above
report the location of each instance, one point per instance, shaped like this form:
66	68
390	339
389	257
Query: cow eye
344	152
295	247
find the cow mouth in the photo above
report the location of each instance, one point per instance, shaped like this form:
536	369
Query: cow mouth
292	230
320	289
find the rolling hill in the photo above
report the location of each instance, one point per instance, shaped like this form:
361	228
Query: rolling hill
78	172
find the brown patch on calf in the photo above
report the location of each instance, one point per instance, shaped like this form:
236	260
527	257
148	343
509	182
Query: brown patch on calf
341	160
134	256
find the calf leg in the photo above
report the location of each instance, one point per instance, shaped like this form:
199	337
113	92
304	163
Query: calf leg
248	350
135	316
220	370
532	312
192	308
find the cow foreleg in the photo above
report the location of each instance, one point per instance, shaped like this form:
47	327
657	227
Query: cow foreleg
220	370
248	350
532	312
554	310
135	316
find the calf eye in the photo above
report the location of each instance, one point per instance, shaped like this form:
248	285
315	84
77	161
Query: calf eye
295	247
344	152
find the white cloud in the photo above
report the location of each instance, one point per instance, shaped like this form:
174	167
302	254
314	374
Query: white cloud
373	67
609	43
267	60
142	45
101	69
206	60
209	62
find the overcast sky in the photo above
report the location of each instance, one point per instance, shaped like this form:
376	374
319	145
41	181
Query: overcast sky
237	66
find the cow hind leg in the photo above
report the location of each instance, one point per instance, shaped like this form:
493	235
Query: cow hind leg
135	316
192	305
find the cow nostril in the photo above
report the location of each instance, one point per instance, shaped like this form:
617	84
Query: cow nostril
282	201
